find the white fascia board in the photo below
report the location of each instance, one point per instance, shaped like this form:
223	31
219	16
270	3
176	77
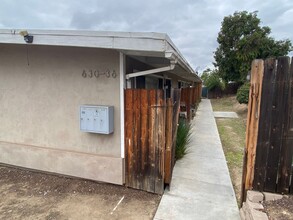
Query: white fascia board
151	35
109	40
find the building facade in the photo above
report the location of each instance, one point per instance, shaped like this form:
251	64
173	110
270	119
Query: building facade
44	83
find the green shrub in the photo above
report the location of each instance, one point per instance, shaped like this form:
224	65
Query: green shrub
212	80
183	139
243	93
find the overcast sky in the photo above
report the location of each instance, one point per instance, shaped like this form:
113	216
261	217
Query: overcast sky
192	25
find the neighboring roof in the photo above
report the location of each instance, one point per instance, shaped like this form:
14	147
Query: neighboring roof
131	43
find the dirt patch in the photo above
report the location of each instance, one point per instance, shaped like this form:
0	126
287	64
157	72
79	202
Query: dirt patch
281	209
240	108
27	194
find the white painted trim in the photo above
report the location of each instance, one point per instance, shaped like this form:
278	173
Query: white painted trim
122	86
148	72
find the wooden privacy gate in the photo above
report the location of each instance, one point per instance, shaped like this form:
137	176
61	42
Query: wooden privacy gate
150	135
269	133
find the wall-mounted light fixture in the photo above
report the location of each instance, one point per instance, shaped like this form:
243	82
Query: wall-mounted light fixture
27	38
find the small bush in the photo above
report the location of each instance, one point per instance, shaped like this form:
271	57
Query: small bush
243	93
183	139
212	80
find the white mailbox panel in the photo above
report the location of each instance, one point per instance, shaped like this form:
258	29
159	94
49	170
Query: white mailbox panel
97	119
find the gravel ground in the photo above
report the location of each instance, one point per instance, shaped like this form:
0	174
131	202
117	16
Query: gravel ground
281	209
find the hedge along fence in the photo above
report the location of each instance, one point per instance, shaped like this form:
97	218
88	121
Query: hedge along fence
243	93
269	134
230	89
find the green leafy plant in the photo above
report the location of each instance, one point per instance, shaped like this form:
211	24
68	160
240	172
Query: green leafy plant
243	93
212	79
183	139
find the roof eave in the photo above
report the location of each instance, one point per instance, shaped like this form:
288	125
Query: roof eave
158	44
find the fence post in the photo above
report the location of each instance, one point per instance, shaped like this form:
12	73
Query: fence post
257	69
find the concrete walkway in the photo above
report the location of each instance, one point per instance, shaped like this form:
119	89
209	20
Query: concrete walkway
225	115
201	187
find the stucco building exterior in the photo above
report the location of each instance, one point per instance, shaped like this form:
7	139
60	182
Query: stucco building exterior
44	83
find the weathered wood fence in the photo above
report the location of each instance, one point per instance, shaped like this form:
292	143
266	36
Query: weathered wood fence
150	136
269	133
190	97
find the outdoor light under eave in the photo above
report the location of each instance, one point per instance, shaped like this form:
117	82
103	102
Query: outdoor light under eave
27	38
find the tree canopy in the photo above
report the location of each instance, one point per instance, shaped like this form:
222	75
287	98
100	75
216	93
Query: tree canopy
242	39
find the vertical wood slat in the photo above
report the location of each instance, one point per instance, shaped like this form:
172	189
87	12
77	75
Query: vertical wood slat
160	147
199	93
276	126
176	110
287	143
188	105
139	172
156	140
192	95
290	127
195	93
128	136
263	144
135	141
152	138
145	166
252	120
168	149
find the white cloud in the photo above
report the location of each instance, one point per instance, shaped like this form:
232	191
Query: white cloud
192	25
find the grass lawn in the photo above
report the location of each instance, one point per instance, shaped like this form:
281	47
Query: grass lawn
224	104
232	134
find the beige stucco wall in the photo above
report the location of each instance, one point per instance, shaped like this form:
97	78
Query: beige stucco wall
41	89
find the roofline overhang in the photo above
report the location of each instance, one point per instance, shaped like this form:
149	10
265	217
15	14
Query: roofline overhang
179	60
139	43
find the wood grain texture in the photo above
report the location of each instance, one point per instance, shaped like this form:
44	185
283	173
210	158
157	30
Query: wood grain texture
276	126
176	110
265	117
150	136
160	143
145	167
128	136
257	69
269	133
286	138
168	148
